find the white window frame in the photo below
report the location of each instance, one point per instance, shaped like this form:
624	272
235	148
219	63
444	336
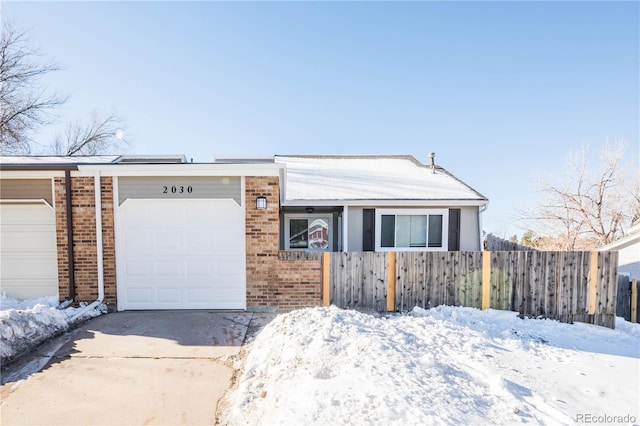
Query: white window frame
418	212
310	217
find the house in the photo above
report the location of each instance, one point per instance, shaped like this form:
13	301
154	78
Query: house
628	248
158	232
376	203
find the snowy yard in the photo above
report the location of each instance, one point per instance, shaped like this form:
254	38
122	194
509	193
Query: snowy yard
24	324
446	366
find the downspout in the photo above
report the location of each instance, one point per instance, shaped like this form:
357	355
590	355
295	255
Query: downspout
481	210
99	248
71	264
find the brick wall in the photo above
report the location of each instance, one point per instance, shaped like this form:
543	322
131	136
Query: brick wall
296	281
84	239
108	241
271	281
61	237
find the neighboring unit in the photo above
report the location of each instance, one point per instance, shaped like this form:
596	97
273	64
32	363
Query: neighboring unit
628	248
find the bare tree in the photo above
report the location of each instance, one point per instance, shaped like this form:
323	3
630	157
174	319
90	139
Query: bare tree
24	103
588	210
100	135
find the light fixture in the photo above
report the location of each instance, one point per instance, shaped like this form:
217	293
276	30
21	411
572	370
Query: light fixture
309	209
261	203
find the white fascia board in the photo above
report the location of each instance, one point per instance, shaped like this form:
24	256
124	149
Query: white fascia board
621	243
30	174
187	169
385	203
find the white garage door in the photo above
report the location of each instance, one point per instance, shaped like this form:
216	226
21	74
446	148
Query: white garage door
180	254
28	255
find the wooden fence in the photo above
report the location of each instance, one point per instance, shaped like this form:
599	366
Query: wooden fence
628	298
567	286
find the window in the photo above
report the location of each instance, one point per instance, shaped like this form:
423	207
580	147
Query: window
411	229
308	232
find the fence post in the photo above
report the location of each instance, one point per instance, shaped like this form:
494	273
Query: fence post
634	300
486	279
326	279
593	284
391	281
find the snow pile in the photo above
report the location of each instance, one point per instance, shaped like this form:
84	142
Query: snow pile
25	324
442	366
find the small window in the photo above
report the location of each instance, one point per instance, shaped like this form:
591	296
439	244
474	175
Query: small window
308	232
411	229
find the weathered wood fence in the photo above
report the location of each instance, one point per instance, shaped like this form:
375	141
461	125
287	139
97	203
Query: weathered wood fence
628	298
567	286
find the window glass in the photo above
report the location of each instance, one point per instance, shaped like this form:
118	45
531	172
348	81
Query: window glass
403	231
418	231
298	233
435	231
388	230
319	234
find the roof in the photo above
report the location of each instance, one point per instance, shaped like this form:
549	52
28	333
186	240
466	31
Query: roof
632	237
42	159
344	179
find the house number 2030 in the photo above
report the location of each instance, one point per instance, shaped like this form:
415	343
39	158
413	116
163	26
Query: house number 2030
177	189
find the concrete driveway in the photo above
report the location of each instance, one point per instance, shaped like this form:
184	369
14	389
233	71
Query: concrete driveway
130	368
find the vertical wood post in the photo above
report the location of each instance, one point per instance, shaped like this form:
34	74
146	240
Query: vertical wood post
486	279
593	284
634	300
326	279
391	281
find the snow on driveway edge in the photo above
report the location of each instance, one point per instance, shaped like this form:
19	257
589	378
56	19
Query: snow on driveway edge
25	325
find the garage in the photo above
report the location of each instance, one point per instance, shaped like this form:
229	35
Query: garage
183	251
28	255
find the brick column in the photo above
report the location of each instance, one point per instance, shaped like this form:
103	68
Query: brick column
262	236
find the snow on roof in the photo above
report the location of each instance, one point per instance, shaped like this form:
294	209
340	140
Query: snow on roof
370	178
42	160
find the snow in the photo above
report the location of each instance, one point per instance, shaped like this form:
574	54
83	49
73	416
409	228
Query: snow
447	365
369	178
34	159
25	324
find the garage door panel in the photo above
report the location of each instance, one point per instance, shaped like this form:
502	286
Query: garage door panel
228	266
28	250
198	267
32	265
169	268
169	294
167	241
139	295
188	254
199	241
198	295
140	268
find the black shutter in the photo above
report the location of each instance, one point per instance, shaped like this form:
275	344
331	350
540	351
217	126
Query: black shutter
368	230
454	229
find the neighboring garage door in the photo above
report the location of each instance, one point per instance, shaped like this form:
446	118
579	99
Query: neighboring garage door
180	254
28	255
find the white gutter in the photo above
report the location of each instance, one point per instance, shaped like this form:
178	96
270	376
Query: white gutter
453	202
99	248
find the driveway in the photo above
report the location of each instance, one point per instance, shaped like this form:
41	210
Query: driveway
130	368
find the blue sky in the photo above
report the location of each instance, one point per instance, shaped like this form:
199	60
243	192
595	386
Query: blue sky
500	91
